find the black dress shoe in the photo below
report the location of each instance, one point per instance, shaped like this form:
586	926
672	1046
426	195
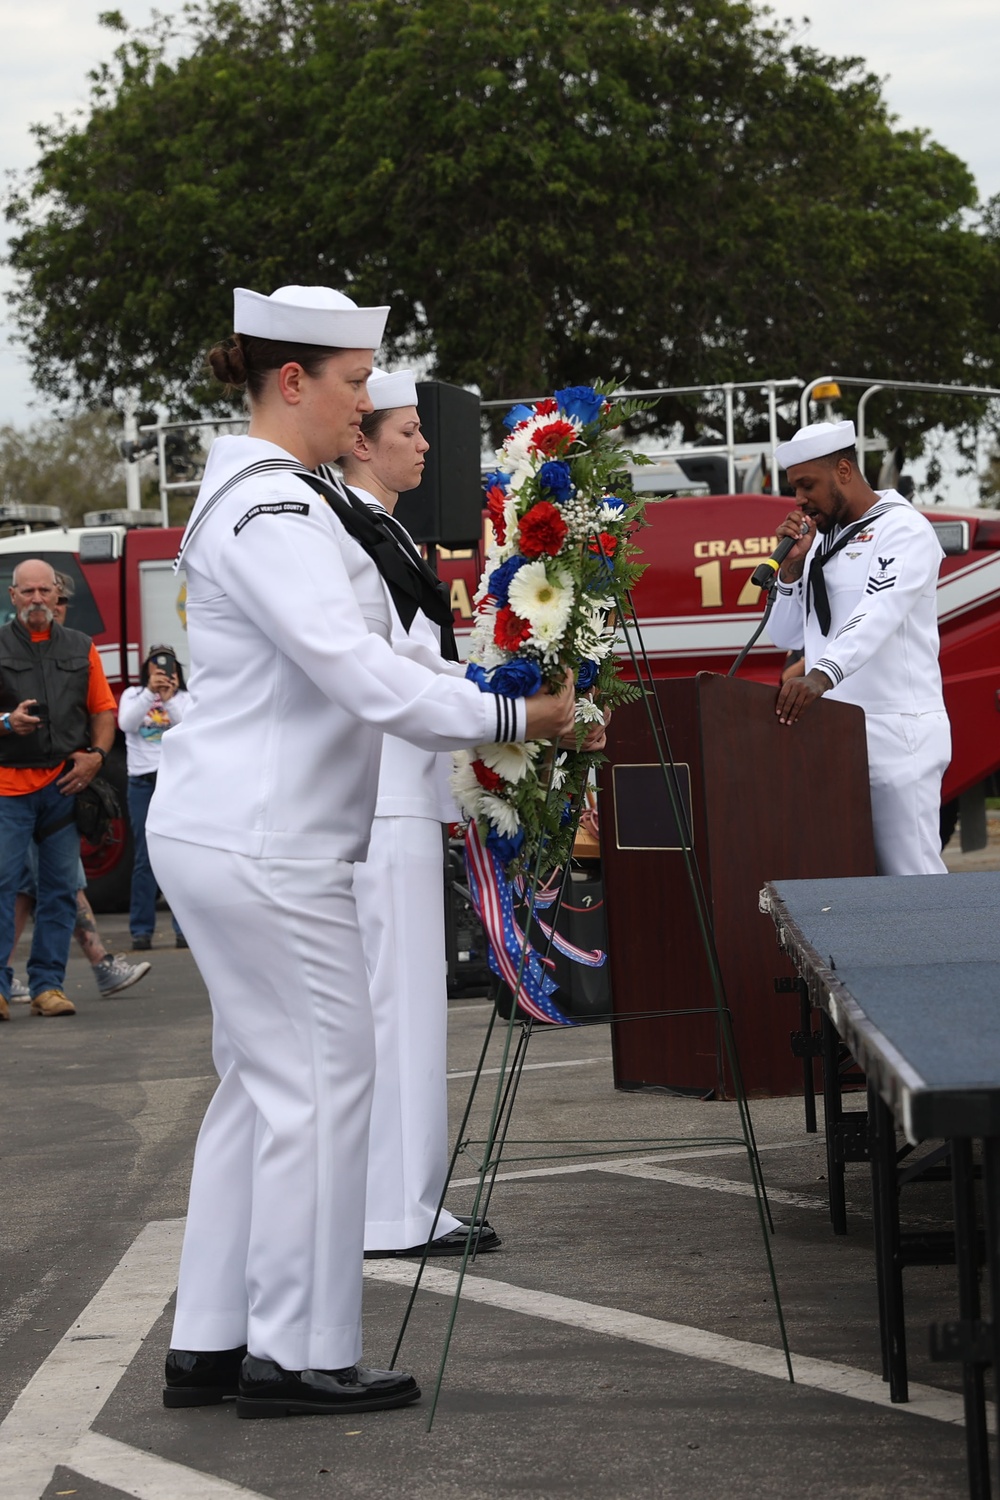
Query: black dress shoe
452	1243
202	1378
266	1390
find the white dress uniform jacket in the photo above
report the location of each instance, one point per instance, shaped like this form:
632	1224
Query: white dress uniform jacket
292	677
881	652
264	799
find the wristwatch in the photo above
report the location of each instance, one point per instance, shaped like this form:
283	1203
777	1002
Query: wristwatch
96	750
5	721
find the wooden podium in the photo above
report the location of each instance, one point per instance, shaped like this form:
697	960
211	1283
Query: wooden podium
766	802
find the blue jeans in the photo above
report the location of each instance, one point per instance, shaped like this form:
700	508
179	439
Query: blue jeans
142	911
22	819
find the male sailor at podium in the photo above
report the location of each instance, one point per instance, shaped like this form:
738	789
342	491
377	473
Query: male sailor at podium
858	591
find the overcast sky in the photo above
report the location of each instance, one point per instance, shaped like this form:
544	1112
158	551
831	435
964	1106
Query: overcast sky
939	62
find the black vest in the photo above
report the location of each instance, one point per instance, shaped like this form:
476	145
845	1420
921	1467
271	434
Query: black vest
56	673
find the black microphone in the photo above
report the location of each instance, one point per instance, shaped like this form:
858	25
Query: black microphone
766	572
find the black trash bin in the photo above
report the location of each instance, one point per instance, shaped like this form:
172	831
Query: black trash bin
582	992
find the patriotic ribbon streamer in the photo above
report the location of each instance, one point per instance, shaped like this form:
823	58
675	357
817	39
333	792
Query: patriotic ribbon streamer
594	958
493	902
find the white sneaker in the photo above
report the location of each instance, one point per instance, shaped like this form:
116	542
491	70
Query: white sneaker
114	974
19	992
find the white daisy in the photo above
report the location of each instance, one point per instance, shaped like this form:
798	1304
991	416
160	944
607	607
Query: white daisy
587	712
464	786
558	772
512	762
503	817
544	599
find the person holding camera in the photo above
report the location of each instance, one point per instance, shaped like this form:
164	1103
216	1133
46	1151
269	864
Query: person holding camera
112	972
57	724
145	713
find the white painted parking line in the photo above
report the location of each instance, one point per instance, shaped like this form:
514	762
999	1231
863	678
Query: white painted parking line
575	1062
678	1338
146	1476
63	1397
607	1164
712	1184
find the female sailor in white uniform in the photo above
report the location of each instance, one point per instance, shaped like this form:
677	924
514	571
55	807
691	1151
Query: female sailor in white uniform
400	894
263	804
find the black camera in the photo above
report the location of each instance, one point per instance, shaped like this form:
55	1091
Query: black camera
165	662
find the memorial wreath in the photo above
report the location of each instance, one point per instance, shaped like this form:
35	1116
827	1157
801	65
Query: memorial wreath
560	561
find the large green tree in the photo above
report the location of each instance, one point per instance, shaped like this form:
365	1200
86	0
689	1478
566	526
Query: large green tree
656	193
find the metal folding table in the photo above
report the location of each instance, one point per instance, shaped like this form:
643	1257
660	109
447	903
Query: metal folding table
907	970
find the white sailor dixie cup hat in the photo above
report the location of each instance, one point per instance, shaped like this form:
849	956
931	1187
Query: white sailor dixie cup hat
308	315
817	441
391	388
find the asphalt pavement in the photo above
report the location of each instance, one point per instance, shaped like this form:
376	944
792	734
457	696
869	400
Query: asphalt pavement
622	1343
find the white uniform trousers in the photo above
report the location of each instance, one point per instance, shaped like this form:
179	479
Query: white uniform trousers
908	755
273	1247
400	895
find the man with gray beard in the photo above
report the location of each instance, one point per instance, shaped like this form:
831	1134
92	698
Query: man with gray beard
57	724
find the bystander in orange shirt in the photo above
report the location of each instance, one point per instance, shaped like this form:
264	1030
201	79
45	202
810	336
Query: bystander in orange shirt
17	781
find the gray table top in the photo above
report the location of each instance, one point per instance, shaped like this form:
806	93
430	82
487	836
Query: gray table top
908	969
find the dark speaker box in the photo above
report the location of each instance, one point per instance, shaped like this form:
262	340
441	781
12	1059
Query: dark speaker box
582	992
447	506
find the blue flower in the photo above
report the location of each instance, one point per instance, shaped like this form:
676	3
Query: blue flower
503	845
580	401
513	679
517	414
516	679
498	477
566	816
555	480
500	578
615	502
587	675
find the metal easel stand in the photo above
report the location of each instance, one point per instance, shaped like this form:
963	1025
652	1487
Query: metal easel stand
513	1056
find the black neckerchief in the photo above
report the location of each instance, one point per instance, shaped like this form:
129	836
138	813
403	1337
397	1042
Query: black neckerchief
437	603
412	584
816	592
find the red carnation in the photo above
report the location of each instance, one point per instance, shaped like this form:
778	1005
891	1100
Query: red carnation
496	498
542	530
608	542
510	631
546	408
487	779
554	438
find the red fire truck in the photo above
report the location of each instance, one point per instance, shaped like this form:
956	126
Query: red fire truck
695	604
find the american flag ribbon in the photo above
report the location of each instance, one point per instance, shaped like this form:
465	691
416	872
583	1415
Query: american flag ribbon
545	896
493	901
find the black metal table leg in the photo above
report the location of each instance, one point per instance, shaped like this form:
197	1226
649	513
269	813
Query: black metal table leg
808	1064
967	1261
991	1214
888	1265
877	1217
833	1113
